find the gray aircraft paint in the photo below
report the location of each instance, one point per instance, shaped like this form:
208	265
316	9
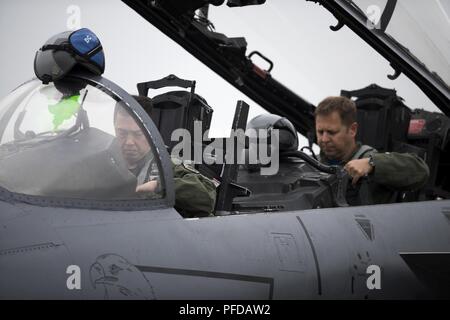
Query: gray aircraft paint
290	255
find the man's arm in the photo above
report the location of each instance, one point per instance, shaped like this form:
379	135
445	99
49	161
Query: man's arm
149	186
195	194
400	171
404	171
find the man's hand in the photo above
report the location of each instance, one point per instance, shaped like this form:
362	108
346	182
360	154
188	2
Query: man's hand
147	187
358	168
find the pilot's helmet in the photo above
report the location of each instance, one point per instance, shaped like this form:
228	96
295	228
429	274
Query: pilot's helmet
288	139
67	50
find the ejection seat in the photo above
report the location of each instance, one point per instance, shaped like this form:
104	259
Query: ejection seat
176	109
383	121
180	110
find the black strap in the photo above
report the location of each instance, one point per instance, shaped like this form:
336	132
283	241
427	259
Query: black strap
69	48
387	14
65	47
169	81
362	151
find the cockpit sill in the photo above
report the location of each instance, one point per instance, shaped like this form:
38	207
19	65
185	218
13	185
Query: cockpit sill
69	203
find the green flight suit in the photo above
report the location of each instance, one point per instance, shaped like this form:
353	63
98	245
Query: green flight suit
393	172
195	194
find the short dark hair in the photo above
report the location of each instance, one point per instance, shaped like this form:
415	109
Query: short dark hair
344	106
145	102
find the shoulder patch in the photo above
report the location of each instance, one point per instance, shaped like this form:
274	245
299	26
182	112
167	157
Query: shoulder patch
190	167
216	182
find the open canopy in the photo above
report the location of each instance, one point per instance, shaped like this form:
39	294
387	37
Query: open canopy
411	35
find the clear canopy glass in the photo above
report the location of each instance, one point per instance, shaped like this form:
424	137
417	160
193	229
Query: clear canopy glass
74	140
423	27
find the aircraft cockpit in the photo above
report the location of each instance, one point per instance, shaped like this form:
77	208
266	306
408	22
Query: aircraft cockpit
78	142
84	142
300	181
256	173
87	143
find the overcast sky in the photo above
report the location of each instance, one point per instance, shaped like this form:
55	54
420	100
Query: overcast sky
309	58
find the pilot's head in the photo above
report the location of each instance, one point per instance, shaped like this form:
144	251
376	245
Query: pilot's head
336	127
132	140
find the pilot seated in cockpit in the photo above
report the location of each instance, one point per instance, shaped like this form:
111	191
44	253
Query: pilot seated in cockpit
336	129
195	194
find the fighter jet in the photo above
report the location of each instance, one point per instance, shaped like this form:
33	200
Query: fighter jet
74	227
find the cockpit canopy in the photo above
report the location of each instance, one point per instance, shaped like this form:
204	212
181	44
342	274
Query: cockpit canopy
419	26
71	139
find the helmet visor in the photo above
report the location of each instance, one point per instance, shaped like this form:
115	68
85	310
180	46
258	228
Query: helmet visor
52	65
